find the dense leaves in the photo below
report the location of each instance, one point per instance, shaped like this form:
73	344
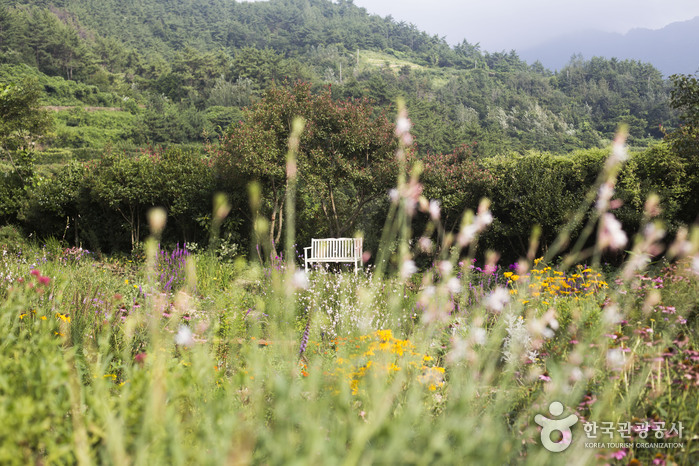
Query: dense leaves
345	158
215	53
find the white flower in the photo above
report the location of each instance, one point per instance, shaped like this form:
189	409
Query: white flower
606	191
653	232
615	358
428	292
408	269
466	235
434	209
497	300
444	267
300	280
611	315
619	152
576	374
403	125
695	264
478	335
157	217
483	219
480	222
425	244
393	195
184	336
611	234
454	285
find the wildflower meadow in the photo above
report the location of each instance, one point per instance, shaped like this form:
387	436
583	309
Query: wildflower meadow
179	356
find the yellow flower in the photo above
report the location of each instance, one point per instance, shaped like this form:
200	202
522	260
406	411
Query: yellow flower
126	281
514	278
507	274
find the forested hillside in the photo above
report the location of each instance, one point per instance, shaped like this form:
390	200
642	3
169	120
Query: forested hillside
189	66
140	103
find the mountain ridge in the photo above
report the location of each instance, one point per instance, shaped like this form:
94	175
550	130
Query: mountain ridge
670	49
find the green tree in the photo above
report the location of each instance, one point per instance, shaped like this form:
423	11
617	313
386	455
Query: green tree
128	187
22	122
685	140
456	181
345	155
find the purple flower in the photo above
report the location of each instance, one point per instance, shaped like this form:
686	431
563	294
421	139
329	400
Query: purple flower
304	339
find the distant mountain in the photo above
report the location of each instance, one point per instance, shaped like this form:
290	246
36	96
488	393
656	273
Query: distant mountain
672	49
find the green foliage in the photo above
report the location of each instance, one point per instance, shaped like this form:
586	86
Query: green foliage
22	123
228	54
174	82
536	189
103	204
345	156
95	129
685	140
21	119
11	239
457	181
99	365
611	91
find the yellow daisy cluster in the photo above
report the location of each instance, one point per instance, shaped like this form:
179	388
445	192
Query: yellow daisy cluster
32	314
381	354
544	282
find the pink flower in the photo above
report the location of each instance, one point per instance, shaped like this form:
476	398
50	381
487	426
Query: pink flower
619	454
44	280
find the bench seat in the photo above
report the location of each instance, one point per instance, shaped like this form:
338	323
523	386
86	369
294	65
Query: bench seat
347	250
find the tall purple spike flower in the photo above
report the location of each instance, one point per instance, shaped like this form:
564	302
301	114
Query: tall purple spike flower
304	339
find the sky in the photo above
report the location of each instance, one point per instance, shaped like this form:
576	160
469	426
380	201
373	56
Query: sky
517	24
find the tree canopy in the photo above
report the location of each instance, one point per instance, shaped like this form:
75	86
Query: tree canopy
345	155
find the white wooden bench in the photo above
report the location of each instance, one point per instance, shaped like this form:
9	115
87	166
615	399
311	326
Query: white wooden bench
334	250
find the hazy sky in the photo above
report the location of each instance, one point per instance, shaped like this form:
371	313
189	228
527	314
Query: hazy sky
516	24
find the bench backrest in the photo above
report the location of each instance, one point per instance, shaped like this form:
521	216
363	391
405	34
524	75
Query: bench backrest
336	248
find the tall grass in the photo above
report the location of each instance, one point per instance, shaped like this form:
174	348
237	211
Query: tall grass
236	363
